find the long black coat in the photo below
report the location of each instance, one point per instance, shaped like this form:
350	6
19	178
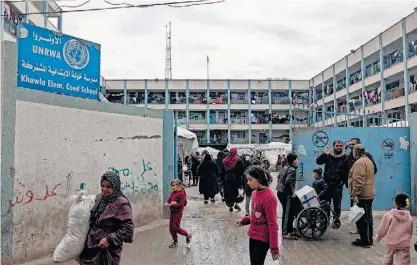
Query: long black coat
209	175
233	182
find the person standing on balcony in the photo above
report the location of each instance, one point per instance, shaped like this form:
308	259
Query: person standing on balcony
234	170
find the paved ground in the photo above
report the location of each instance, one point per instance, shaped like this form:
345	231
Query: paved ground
217	241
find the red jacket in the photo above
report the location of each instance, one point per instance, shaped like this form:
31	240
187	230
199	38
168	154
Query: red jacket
263	219
181	198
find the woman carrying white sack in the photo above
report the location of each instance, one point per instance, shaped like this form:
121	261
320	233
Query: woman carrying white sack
111	224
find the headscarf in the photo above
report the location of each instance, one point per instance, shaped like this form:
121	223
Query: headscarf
203	154
207	157
230	161
220	157
100	207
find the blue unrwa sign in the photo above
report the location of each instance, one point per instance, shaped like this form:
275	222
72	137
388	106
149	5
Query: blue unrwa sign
58	63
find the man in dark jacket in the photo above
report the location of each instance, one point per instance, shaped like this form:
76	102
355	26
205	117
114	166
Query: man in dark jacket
287	197
350	160
335	172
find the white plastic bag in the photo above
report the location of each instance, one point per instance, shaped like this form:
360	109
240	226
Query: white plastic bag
281	248
355	214
79	214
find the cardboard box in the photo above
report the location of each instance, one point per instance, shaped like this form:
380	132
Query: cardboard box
308	197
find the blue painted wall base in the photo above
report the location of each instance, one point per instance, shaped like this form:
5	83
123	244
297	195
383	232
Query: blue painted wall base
167	157
388	146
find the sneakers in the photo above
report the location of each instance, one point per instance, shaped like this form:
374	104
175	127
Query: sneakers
205	202
173	245
230	209
354	232
237	208
188	239
213	201
359	243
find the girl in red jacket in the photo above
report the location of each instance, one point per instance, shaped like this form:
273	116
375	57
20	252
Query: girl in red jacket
263	229
176	202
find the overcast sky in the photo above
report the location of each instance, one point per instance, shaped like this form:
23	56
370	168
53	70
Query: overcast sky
243	38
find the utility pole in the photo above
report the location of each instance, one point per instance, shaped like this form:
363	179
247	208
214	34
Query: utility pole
168	65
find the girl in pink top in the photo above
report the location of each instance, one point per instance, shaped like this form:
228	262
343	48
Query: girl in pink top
263	229
397	228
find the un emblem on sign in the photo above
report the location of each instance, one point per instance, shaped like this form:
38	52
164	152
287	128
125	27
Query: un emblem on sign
76	54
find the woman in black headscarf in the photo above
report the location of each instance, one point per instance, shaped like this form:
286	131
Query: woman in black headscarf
219	161
208	173
111	224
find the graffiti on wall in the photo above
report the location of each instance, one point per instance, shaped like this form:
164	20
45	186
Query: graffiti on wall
143	181
26	194
29	195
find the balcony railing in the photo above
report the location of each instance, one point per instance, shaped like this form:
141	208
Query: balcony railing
261	100
201	140
235	140
218	140
157	101
199	100
239	120
218	100
239	101
281	100
200	121
181	100
136	100
395	93
280	119
219	120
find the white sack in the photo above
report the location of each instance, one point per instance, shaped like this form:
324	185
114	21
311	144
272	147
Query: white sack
355	214
73	242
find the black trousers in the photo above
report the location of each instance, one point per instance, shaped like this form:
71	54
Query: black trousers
365	225
257	251
195	178
290	208
335	194
207	197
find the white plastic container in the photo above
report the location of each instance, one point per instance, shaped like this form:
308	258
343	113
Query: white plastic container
308	197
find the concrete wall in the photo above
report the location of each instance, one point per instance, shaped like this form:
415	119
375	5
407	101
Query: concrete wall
390	148
412	122
58	145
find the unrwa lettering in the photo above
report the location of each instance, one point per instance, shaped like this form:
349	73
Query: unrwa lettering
46	52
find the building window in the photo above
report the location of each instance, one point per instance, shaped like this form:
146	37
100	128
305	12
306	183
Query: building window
12	18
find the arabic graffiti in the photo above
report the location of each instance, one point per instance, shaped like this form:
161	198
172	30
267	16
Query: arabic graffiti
144	183
30	196
68	183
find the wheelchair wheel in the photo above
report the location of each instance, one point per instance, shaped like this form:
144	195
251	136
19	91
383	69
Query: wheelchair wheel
312	223
336	223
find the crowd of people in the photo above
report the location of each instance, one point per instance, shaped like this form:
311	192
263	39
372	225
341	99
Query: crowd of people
234	177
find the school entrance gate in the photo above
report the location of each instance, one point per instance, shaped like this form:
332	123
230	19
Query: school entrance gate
388	146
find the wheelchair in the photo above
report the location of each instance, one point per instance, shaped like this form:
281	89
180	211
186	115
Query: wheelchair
311	223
